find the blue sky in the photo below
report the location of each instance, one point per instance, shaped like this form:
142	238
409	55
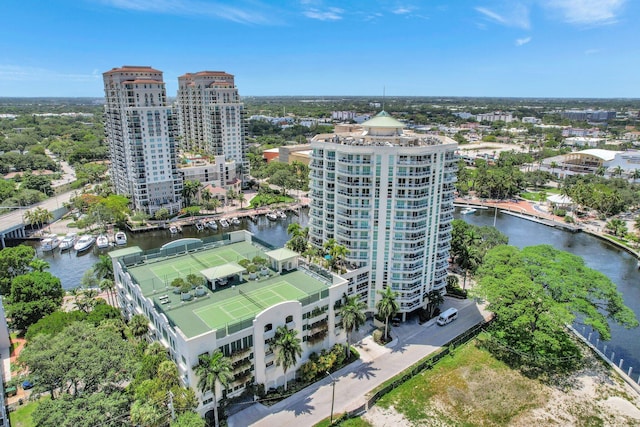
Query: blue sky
519	48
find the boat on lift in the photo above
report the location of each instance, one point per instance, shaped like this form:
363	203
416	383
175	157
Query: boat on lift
224	223
68	241
121	238
234	221
467	211
84	242
50	242
272	216
102	241
212	224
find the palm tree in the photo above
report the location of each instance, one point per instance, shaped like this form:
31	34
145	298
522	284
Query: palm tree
352	313
108	286
212	369
435	298
231	196
240	198
139	325
635	175
214	204
103	269
189	190
387	306
287	348
339	253
294	229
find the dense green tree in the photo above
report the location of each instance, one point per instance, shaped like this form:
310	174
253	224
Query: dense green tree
286	345
54	323
534	293
103	408
33	296
617	227
434	300
387	306
82	359
14	261
188	419
211	370
352	317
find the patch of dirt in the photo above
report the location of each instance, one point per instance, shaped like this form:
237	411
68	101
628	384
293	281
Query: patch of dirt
381	417
590	396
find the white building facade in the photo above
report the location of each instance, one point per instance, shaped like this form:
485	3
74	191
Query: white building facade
211	117
177	323
141	130
387	196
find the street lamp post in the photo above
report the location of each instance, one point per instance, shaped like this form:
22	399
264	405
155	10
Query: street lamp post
333	395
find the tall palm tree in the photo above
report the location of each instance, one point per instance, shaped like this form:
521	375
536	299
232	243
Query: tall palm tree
387	306
103	269
287	348
212	369
352	313
108	286
240	198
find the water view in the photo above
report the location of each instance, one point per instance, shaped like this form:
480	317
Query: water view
617	264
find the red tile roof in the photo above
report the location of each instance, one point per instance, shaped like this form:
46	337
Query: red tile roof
133	69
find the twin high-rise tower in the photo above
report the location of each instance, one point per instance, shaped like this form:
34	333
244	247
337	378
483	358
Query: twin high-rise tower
143	130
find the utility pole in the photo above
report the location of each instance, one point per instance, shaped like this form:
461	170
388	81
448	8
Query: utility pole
333	395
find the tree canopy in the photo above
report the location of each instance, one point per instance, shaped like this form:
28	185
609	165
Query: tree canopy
535	292
33	296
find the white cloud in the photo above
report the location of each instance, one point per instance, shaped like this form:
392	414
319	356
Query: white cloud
401	10
331	14
513	14
193	8
587	12
520	42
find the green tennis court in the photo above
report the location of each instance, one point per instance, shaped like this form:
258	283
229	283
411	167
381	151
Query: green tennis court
247	303
193	263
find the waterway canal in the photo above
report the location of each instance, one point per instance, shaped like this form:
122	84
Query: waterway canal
617	264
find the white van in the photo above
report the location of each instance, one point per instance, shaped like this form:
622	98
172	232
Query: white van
447	316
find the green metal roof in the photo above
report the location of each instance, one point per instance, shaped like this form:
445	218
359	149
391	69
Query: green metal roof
383	120
124	252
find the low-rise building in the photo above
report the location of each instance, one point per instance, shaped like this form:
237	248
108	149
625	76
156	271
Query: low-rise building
236	310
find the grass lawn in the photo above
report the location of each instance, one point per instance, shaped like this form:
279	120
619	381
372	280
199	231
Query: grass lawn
21	417
352	422
468	388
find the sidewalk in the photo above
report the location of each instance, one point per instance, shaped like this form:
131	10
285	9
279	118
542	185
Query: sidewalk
377	364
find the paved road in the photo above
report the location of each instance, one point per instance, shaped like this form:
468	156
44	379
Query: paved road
376	365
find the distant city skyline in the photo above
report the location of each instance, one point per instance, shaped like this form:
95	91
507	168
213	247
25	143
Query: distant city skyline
492	48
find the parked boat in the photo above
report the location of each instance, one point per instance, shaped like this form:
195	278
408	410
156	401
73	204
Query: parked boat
467	211
84	242
175	229
234	221
199	226
68	241
121	238
102	242
50	242
212	224
281	214
272	216
224	223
